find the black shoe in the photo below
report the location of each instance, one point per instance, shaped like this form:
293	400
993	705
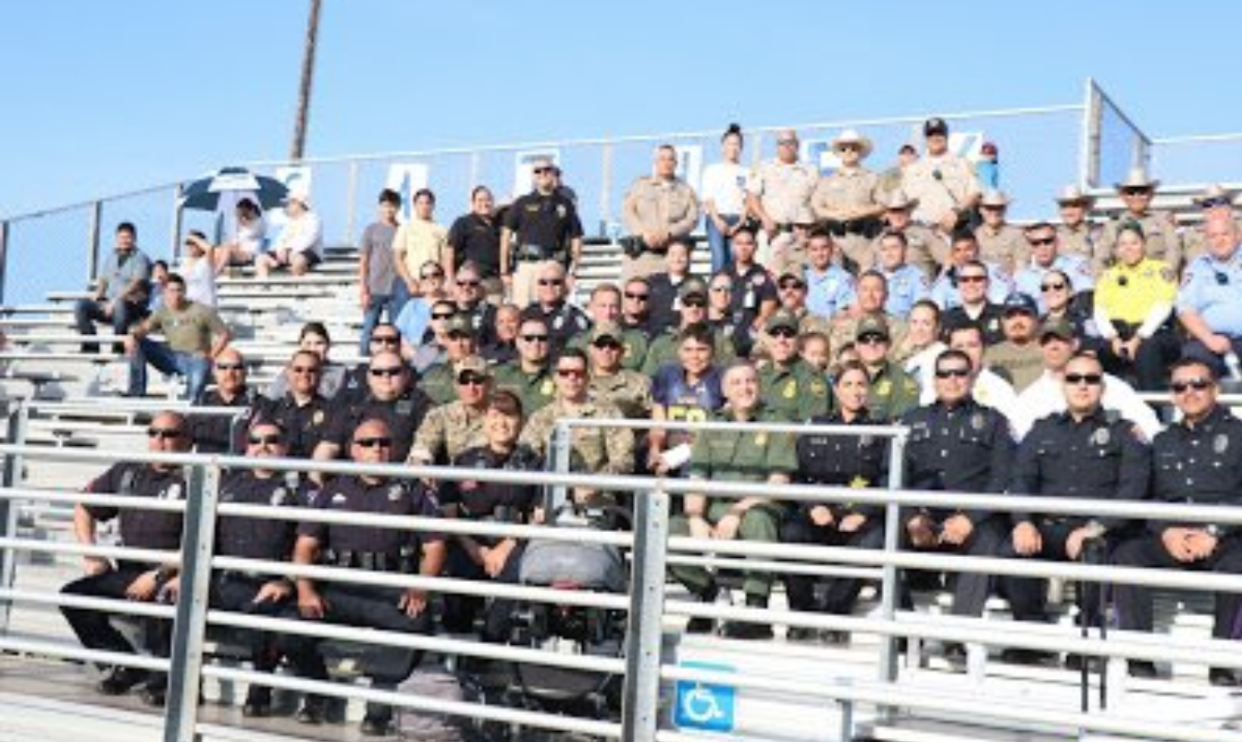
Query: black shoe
119	680
1222	677
1028	657
1076	662
801	634
311	712
1142	669
154	695
835	637
258	702
955	652
701	625
375	726
747	631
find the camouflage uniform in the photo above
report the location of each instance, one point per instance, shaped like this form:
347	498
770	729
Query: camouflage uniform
595	450
447	431
628	391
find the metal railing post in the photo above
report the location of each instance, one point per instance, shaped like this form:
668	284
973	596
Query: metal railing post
92	241
177	217
890	582
12	477
4	257
640	705
351	205
189	630
559	447
605	188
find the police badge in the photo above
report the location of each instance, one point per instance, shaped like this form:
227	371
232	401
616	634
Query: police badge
394	492
976	421
1220	444
279	496
1101	437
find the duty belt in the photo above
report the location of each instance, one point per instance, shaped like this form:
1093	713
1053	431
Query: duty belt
374	561
528	253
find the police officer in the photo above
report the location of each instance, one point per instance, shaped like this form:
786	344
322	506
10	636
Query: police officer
540	228
218	433
1082	453
1163	241
564	320
476	557
604	308
451	428
754	293
737	456
848	201
957	445
1000	243
262	539
870	297
1076	234
925	249
374	549
1208	305
471	298
657	210
778	190
384	336
126	579
975	307
892	391
302	412
943	183
829	287
529	377
439	381
789	388
840	460
1046	257
1194	461
390	398
1215	203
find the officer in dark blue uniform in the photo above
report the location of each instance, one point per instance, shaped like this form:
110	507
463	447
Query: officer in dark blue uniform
263	539
354	386
1085	452
219	433
480	557
839	460
1194	461
564	320
391	397
303	412
957	445
373	549
139	529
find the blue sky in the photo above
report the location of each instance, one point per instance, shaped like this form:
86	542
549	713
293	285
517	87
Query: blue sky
102	97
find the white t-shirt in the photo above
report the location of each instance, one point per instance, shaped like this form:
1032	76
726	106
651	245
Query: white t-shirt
200	281
249	237
725	183
303	234
1045	397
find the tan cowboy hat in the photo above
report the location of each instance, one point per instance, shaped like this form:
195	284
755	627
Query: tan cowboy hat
1072	194
1213	195
995	198
1137	178
898	201
849	136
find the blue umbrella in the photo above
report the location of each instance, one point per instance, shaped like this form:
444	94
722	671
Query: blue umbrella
232	184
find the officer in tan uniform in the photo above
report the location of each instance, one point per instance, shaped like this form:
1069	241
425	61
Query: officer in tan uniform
943	183
1163	241
1000	243
629	391
777	190
1077	235
925	249
658	210
452	428
1217	203
849	201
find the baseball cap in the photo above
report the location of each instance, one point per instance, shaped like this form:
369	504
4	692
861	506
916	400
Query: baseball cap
935	125
606	330
471	363
1019	302
872	325
692	286
782	318
1058	326
459	323
989	148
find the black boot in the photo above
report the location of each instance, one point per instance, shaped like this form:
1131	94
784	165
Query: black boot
747	630
703	624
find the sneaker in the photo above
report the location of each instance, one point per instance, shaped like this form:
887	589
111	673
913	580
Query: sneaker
119	680
1222	677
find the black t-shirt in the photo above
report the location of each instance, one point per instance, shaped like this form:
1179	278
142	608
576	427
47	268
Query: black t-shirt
476	239
141	528
547	221
662	304
750	290
390	497
218	433
403	416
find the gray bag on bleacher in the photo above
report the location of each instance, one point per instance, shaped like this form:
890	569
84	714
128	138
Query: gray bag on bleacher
585	566
430	683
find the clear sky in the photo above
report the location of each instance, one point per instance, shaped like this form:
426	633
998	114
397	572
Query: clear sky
107	96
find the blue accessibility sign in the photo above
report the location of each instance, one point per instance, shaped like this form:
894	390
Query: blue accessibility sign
706	706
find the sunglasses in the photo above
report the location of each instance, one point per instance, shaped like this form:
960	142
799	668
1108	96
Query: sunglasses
952	373
468	284
1052	287
971	279
373	442
1198	384
872	338
722	289
1088	379
1036	242
849	148
265	440
1135	191
430	276
385	340
571	373
459	335
389	371
784	332
786	285
550	281
1212	203
229	367
442	315
541	170
606	344
164	433
304	370
695	303
636	297
535	338
470	378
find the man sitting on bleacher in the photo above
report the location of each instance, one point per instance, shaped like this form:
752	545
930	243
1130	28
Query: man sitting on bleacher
193	335
121	289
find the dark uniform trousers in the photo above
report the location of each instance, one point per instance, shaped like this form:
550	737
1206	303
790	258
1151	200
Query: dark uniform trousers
842	592
94	629
460	610
235	593
1133	602
1028	596
970	589
1150	365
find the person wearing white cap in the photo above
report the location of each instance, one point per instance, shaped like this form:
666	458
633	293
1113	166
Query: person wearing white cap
849	200
300	244
1215	202
1163	241
1000	242
1077	235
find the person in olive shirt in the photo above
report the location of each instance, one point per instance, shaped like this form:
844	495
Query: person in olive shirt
529	376
789	387
736	456
193	335
893	391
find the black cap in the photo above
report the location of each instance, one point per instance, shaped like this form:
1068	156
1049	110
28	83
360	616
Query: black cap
934	126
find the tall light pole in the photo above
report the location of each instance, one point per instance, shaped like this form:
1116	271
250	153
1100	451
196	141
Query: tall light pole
304	88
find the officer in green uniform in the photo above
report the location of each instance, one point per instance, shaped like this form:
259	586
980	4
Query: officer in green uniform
735	456
439	382
789	387
893	391
693	300
529	377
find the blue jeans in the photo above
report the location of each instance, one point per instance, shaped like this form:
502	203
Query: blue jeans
86	312
194	368
371	316
721	246
400	295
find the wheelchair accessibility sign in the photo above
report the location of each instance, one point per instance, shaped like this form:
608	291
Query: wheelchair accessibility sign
705	706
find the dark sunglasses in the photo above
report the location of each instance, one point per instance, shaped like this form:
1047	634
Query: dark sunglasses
266	440
606	344
385	340
971	279
1135	191
1212	203
373	442
468	284
694	302
1036	242
636	297
1052	287
550	282
1198	384
1088	379
790	285
229	367
165	433
541	170
535	338
430	276
947	373
470	378
567	373
389	371
871	338
304	370
784	332
442	315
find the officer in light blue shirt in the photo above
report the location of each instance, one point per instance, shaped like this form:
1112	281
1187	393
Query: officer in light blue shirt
1209	303
907	285
965	249
829	288
1045	257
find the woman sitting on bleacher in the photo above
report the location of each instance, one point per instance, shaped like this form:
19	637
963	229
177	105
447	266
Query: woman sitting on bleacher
247	240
